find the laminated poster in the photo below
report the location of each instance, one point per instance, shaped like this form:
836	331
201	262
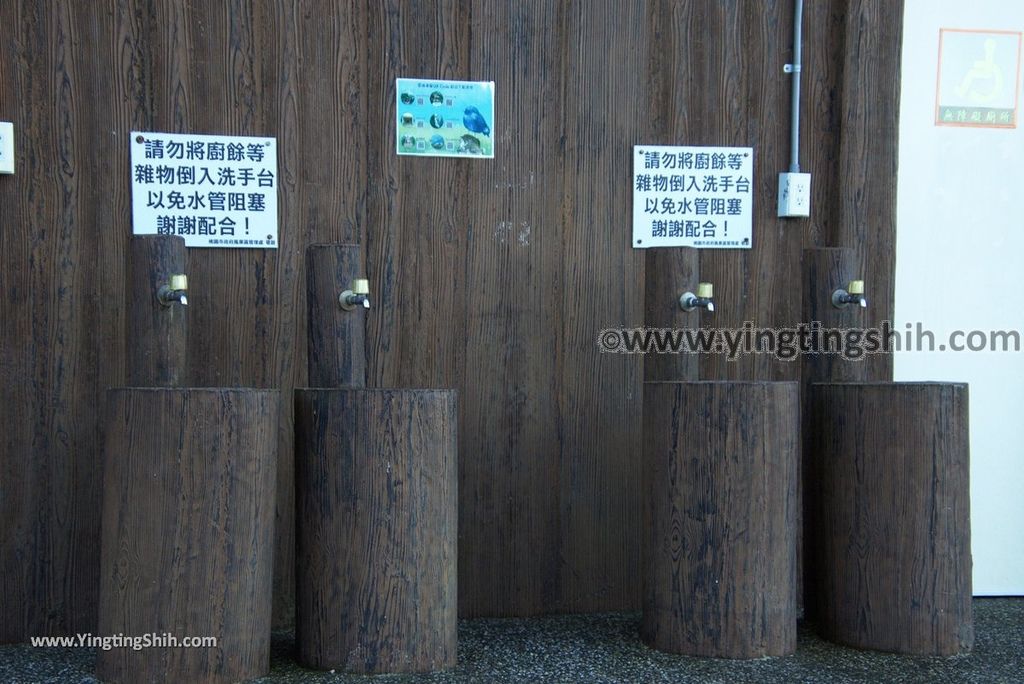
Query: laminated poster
444	118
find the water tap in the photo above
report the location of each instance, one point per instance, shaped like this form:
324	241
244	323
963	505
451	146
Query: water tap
703	298
175	291
358	294
853	294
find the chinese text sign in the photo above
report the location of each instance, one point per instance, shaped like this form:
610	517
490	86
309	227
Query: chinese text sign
692	196
213	190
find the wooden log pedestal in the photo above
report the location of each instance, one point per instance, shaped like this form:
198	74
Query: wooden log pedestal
335	338
668	273
157	333
892	541
187	532
720	474
376	525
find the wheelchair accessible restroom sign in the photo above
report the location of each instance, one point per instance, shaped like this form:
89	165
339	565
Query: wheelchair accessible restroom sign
212	190
692	196
979	78
444	118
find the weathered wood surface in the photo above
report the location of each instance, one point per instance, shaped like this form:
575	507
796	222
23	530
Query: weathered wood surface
62	304
376	527
824	271
868	155
336	338
720	470
492	277
668	273
158	334
892	536
188	532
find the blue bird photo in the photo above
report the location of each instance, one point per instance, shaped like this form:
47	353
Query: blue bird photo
473	120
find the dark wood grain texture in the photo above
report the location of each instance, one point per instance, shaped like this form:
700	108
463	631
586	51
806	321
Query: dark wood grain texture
892	539
600	394
721	93
770	277
158	332
491	277
208	78
824	270
720	472
21	560
316	71
868	154
376	526
668	273
468	254
56	56
336	337
188	531
821	87
510	559
229	68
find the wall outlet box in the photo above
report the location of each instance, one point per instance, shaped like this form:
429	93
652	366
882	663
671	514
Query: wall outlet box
794	194
6	147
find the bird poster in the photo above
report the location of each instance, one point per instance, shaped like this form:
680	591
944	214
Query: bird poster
444	118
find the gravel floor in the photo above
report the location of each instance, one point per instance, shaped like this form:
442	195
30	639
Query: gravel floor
607	648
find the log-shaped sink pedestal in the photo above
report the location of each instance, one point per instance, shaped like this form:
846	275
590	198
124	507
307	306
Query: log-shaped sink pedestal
889	516
720	475
376	526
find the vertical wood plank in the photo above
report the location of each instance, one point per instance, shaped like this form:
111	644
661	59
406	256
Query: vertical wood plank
58	50
208	78
868	154
716	93
280	37
417	208
509	555
418	231
19	558
824	270
602	286
61	316
773	284
821	116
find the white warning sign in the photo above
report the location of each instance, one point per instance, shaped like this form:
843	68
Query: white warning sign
212	190
692	196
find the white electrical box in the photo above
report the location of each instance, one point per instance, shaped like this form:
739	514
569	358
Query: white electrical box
794	194
6	147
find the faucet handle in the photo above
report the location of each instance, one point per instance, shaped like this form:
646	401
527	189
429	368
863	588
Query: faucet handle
856	287
360	286
705	290
174	291
357	294
178	281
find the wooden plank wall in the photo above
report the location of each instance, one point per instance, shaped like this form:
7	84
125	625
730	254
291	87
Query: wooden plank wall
723	91
492	277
